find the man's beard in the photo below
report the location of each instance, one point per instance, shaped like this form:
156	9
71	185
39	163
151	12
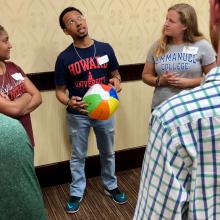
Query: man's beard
82	36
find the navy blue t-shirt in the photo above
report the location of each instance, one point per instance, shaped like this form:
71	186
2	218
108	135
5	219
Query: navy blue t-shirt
77	74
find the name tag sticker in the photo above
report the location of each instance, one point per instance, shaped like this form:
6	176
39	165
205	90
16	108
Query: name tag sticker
190	50
17	76
102	60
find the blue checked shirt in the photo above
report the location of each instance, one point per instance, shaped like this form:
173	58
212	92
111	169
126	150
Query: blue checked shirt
181	169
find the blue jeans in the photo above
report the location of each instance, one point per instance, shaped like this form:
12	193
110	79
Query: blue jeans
79	127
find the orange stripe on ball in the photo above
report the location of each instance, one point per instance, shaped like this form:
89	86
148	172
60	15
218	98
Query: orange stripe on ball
102	111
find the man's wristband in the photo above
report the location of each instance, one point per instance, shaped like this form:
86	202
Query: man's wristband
117	77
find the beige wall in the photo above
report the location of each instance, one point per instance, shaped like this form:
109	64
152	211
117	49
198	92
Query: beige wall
130	27
51	133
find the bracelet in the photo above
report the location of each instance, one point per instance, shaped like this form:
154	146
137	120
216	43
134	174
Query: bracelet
67	103
117	77
158	81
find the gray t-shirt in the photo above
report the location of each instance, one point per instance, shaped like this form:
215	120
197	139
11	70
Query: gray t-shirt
185	59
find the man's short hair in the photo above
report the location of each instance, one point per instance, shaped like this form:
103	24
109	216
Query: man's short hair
62	25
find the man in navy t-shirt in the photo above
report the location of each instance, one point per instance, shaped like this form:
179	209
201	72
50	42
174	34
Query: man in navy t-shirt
82	64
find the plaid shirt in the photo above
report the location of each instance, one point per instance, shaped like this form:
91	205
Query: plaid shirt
181	168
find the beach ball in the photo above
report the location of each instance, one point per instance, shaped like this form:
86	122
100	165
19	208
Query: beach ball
102	101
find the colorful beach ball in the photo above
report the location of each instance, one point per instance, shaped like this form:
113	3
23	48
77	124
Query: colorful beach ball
102	101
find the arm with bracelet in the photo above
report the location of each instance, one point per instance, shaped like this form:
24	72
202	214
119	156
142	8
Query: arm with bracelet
115	80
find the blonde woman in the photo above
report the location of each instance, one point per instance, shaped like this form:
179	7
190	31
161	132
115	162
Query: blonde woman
180	58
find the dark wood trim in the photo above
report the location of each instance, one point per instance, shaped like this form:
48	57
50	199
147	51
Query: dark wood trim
45	80
59	173
131	72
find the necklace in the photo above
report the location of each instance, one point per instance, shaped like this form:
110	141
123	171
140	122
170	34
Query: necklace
2	74
3	68
2	87
80	56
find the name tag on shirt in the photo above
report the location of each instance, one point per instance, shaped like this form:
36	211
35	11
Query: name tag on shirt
191	50
102	60
17	76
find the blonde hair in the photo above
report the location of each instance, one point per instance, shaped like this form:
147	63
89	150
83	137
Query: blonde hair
188	18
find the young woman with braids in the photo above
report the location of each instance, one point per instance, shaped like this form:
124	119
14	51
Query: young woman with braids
18	95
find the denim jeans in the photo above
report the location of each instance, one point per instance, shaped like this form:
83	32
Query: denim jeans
79	127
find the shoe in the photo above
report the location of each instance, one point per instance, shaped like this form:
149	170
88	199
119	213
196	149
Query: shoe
117	196
73	204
